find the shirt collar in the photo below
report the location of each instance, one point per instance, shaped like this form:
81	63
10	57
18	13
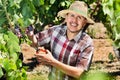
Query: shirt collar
78	36
63	30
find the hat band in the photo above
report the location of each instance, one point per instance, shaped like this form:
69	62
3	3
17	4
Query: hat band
80	12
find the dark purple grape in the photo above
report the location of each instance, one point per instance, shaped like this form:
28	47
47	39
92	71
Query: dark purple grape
18	31
30	28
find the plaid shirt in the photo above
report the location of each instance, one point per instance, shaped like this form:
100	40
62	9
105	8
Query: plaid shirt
76	52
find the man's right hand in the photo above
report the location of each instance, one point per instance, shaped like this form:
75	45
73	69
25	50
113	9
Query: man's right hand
31	36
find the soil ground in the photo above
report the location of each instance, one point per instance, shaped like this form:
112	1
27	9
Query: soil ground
101	61
103	48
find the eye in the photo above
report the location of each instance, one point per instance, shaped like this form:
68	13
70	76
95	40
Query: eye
79	17
71	15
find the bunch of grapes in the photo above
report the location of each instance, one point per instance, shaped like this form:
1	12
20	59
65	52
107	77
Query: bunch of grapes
23	36
29	28
17	31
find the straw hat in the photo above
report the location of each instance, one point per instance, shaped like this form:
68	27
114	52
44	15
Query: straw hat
78	7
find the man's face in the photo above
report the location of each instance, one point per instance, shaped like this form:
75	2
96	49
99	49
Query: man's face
75	22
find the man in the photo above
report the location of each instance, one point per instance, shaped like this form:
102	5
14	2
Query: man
71	48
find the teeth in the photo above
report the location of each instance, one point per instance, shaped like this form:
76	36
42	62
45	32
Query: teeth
73	24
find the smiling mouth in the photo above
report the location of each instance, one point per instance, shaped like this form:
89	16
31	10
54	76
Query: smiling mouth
74	24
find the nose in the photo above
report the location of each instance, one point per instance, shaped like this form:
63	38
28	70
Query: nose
74	19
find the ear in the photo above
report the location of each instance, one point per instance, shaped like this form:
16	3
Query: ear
66	16
65	20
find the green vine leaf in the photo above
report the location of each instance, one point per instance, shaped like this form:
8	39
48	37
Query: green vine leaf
52	1
1	72
9	65
12	36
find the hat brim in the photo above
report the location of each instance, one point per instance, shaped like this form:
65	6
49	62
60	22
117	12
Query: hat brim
63	13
